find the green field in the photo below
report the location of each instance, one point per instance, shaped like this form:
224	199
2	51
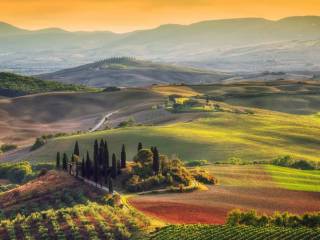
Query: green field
212	232
252	137
293	179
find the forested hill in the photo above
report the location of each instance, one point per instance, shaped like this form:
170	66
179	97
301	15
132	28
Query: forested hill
12	85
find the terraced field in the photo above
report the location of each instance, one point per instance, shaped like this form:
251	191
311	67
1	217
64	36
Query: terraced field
211	232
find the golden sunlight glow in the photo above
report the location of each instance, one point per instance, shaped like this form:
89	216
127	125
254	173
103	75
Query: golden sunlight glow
128	15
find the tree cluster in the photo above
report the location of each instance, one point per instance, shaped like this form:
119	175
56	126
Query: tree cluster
98	168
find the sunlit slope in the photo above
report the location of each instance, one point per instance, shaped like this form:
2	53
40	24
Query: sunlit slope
297	97
294	179
261	136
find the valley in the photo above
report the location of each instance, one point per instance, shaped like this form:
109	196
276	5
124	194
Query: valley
209	130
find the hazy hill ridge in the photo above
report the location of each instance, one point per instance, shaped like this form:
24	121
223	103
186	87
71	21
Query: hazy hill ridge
208	43
130	72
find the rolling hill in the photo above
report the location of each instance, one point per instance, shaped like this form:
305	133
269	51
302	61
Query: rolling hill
255	43
59	206
289	96
260	136
129	72
24	118
12	85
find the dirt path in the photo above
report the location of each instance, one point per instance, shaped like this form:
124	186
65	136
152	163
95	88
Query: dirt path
102	121
21	152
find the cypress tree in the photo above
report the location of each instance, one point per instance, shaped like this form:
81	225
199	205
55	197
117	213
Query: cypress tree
101	152
76	149
88	167
114	166
140	146
58	161
95	162
77	169
83	168
95	150
123	157
118	167
156	161
110	185
106	152
65	162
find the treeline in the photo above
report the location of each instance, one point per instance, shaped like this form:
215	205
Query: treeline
22	85
252	218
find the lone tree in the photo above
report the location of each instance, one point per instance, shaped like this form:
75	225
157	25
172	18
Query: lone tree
88	167
140	146
123	157
114	166
76	149
156	161
58	160
65	162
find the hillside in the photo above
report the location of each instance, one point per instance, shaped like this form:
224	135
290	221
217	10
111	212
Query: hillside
230	44
129	72
25	118
255	136
288	96
12	85
59	206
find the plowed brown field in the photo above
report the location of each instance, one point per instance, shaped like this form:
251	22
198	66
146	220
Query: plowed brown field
244	187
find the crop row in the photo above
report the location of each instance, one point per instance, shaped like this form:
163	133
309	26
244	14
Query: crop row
92	221
212	232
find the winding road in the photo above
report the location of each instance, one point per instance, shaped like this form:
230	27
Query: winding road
18	154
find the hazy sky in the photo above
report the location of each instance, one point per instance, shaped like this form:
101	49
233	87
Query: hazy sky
127	15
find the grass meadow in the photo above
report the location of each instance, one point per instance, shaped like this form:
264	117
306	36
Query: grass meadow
260	136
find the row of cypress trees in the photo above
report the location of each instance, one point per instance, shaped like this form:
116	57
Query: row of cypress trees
98	169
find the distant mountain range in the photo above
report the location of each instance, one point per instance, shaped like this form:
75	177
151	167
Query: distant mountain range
249	45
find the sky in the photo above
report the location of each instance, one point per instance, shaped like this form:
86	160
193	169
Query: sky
129	15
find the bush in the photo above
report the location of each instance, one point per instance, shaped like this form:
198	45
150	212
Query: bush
38	143
16	172
196	163
251	218
111	89
287	161
129	123
7	147
203	176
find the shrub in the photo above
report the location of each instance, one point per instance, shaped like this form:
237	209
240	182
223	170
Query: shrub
111	89
129	123
287	161
196	163
203	176
38	143
251	218
8	147
16	172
